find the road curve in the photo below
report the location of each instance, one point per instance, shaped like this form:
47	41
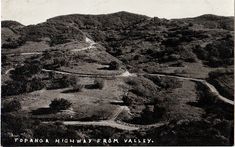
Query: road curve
214	91
9	70
111	122
204	82
127	74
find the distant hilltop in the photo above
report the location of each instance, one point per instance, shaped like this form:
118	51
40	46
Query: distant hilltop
67	28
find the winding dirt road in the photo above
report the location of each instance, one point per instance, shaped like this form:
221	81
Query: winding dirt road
112	121
88	40
128	74
210	86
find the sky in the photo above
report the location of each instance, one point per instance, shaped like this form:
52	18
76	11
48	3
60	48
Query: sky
36	11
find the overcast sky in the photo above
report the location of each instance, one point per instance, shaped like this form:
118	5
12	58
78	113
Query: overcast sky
36	11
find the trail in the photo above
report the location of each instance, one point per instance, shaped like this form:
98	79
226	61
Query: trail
55	71
204	82
87	40
31	53
118	111
91	45
128	74
109	123
112	122
214	90
9	70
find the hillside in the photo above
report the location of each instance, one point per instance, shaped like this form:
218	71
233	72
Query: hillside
119	75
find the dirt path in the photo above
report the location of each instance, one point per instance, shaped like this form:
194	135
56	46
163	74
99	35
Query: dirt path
55	71
109	123
88	40
118	111
128	74
91	45
114	124
211	87
215	91
9	70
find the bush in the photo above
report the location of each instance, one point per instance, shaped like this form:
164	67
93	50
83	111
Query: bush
147	114
113	65
60	104
25	72
13	105
127	100
159	110
77	88
58	81
205	96
166	83
13	88
98	83
15	123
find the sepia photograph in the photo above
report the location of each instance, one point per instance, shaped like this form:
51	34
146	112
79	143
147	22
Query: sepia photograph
117	72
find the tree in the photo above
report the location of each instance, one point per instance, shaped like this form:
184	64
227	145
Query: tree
60	104
13	105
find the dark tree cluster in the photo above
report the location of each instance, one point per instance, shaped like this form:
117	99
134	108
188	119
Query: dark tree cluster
60	104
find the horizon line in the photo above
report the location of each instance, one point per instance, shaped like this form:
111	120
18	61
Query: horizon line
115	13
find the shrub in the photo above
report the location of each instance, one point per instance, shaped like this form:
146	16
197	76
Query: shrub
13	88
166	83
113	65
136	57
77	88
147	114
127	100
60	104
159	110
4	60
13	105
58	81
12	122
131	82
25	72
34	84
98	83
205	96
